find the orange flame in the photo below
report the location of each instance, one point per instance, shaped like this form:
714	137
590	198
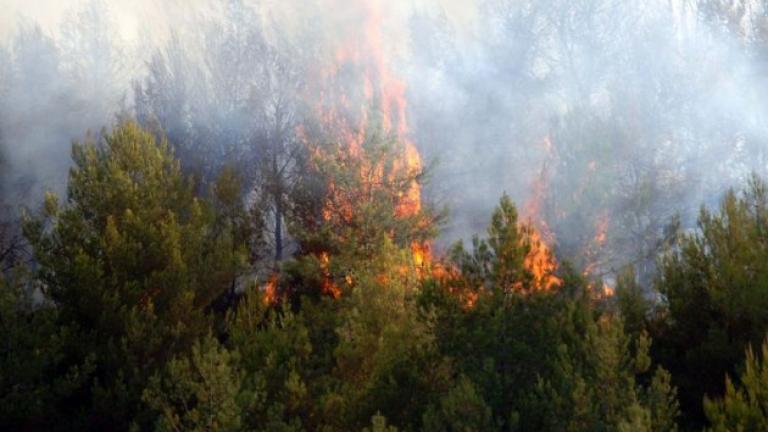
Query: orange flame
601	230
540	261
421	254
357	82
365	52
270	289
329	286
470	299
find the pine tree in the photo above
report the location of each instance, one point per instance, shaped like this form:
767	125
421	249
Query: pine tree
714	283
743	407
33	374
386	359
278	363
503	259
632	303
131	262
461	409
198	391
541	359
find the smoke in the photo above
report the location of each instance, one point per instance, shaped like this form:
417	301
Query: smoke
650	108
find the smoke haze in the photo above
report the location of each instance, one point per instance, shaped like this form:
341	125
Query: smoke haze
603	119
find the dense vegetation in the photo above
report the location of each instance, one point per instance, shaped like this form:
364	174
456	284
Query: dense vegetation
138	312
250	243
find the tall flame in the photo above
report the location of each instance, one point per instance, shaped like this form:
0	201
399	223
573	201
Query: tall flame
270	289
329	286
540	260
357	83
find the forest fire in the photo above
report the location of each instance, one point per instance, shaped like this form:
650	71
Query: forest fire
270	289
329	286
221	221
540	261
359	93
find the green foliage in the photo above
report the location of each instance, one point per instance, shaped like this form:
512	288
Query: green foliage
379	424
386	359
131	261
142	323
498	262
632	303
461	409
542	360
275	352
661	399
715	283
597	388
363	199
743	407
198	391
32	374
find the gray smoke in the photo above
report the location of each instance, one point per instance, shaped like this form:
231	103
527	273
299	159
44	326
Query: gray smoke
651	108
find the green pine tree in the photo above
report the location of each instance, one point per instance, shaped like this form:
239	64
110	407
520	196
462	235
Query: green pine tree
198	391
744	407
715	287
131	261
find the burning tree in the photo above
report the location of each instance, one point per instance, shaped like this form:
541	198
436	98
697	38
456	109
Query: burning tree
512	258
363	176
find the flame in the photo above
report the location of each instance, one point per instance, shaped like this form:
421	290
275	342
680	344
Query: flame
470	299
328	285
449	276
540	260
601	230
409	203
533	207
421	253
270	289
356	84
381	90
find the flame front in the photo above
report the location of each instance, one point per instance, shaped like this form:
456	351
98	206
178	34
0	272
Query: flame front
355	86
329	286
540	261
270	289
